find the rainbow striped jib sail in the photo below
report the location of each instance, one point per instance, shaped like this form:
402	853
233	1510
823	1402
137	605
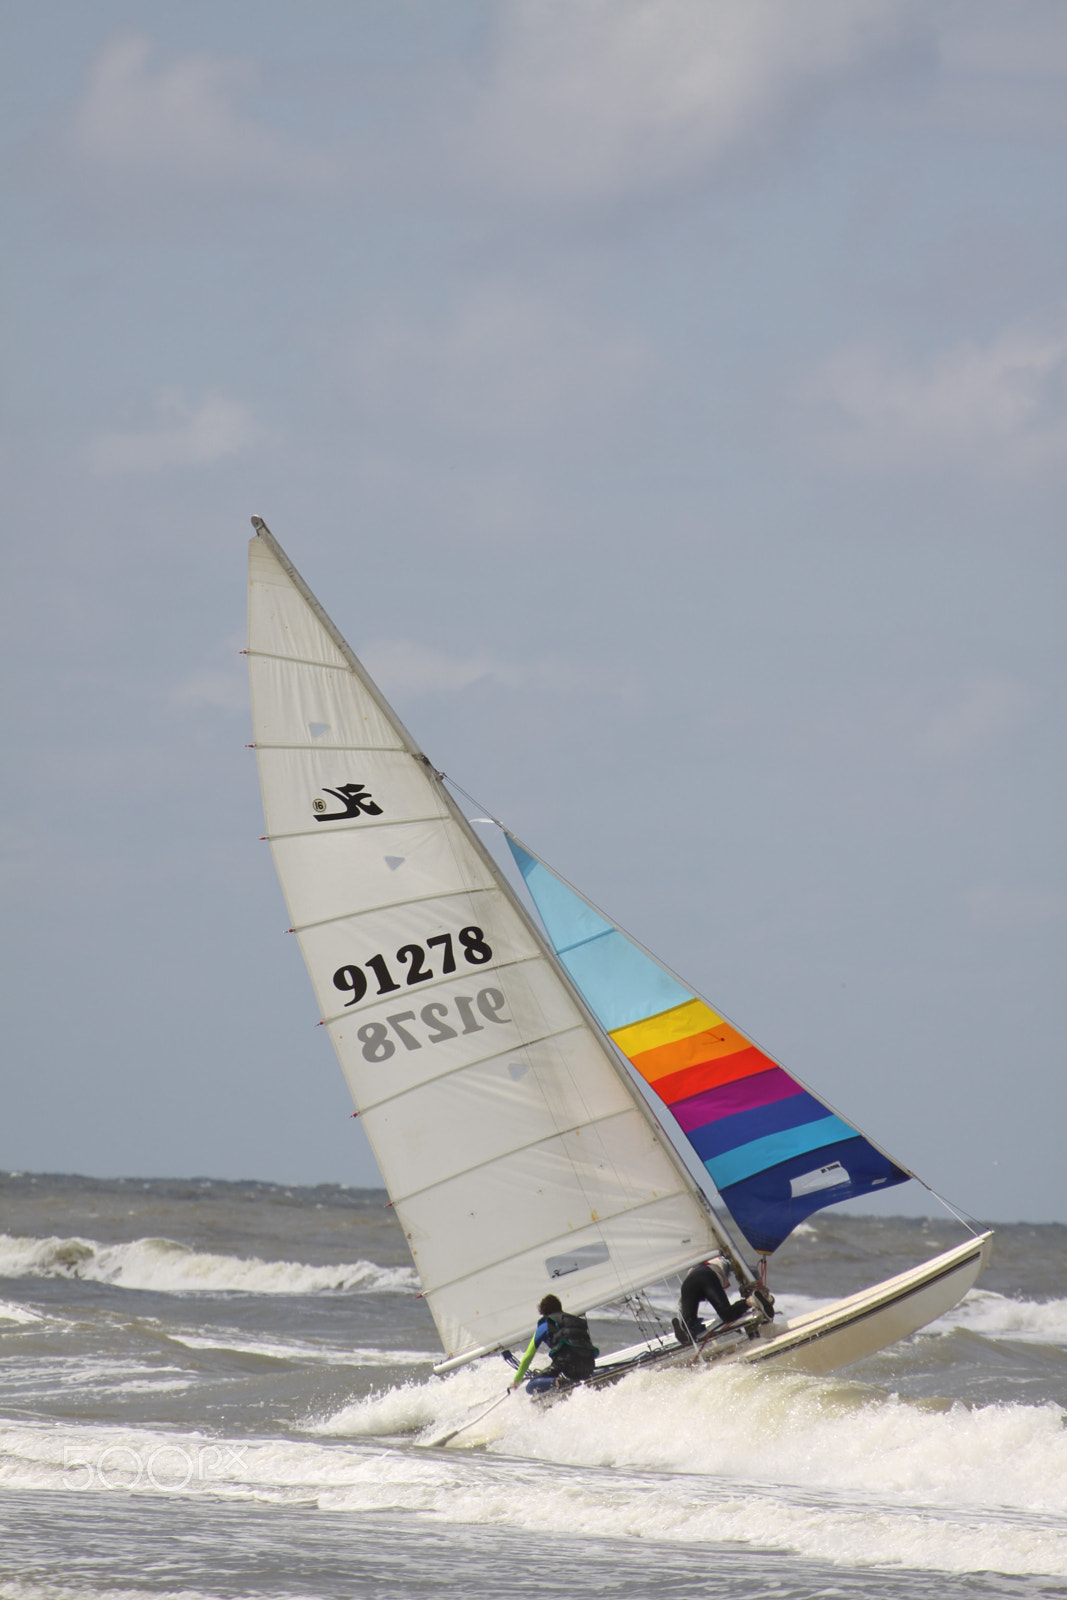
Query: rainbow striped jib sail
774	1151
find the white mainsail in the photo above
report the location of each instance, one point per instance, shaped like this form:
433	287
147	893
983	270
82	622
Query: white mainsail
516	1152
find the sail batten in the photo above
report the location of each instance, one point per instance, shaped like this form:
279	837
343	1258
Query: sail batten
574	1129
518	1153
384	905
299	661
631	1214
452	1072
316	833
774	1151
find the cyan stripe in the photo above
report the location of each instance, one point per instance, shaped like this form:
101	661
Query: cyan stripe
567	918
619	982
735	1165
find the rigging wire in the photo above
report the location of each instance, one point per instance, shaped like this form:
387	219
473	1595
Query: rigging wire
639	1309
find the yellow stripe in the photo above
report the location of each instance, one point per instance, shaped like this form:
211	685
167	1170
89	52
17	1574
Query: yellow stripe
692	1017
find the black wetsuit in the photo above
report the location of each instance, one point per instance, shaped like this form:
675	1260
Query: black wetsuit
704	1283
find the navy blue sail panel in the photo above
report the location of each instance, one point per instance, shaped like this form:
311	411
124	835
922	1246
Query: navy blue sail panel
774	1151
768	1205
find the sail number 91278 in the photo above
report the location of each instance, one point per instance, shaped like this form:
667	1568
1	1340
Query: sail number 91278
353	980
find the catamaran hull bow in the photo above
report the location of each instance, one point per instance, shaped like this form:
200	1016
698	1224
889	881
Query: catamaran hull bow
856	1327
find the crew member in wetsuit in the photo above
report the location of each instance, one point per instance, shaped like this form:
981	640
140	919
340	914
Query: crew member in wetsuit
707	1281
572	1350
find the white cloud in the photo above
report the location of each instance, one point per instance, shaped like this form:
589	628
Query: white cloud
183	436
181	121
1002	405
507	361
595	98
404	667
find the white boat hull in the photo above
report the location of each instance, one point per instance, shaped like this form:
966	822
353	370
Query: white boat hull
835	1335
850	1329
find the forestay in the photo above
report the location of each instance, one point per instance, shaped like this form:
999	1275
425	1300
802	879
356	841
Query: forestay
774	1150
515	1150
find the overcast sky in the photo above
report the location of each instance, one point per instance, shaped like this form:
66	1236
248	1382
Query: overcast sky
669	401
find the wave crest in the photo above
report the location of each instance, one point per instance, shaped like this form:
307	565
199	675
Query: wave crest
167	1267
998	1316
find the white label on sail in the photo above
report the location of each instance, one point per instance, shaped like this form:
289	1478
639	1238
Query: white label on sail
823	1178
505	1130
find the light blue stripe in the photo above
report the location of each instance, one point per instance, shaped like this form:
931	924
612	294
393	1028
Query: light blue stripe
748	1159
620	983
565	915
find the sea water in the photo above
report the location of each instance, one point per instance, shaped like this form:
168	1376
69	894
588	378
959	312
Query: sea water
226	1389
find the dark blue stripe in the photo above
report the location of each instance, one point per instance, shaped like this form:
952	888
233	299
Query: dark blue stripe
729	1132
766	1210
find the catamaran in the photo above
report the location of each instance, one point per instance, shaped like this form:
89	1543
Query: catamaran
550	1107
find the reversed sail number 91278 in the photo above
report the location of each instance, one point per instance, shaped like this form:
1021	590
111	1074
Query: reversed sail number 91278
377	1045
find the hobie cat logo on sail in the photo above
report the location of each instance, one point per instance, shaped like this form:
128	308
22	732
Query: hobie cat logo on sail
356	800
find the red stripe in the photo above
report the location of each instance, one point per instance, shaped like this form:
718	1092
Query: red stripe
710	1074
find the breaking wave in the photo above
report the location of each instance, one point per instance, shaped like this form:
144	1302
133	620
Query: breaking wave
9	1312
783	1428
300	1350
167	1267
819	1467
824	1467
997	1316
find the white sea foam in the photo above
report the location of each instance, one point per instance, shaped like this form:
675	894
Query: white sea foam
997	1316
170	1268
41	1377
10	1312
555	1486
299	1350
32	1589
823	1467
821	1434
432	1406
783	1428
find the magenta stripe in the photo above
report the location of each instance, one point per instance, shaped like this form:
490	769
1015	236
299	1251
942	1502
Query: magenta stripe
745	1094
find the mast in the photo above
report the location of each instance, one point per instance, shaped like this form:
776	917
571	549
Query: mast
513	1143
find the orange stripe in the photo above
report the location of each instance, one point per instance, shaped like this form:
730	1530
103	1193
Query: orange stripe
711	1074
698	1048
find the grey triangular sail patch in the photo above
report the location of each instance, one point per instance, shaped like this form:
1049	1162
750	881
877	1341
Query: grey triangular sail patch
317	729
392	862
518	1068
